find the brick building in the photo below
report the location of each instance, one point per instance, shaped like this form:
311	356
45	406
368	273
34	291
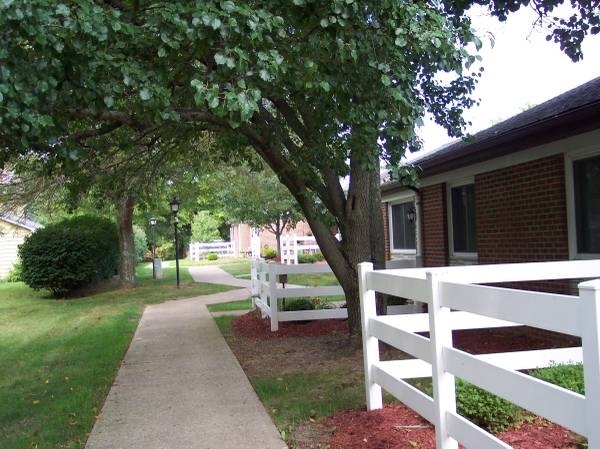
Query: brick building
526	189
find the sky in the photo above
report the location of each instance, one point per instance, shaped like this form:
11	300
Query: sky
521	70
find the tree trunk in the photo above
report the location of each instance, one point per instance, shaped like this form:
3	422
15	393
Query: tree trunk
362	237
125	208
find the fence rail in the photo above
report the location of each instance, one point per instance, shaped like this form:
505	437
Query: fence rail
198	251
267	289
455	302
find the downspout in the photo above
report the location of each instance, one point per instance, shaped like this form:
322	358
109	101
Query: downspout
418	227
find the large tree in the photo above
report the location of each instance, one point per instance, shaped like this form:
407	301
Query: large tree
320	89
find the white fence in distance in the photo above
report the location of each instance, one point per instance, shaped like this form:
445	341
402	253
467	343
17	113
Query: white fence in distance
293	245
198	251
267	289
455	301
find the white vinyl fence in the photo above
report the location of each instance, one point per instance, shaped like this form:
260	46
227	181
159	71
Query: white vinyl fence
292	246
455	301
198	251
267	289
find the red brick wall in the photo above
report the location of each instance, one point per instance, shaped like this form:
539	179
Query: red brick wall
386	230
521	215
434	225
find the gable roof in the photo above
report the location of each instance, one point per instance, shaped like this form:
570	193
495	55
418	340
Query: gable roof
21	222
573	112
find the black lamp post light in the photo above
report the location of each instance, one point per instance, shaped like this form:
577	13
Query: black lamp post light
174	210
153	226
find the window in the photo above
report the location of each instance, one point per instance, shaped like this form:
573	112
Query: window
586	183
403	218
464	237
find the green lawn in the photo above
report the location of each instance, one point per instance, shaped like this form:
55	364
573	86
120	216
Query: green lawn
313	279
58	358
236	267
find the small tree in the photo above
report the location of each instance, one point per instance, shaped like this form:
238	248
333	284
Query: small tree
140	243
205	227
258	199
70	255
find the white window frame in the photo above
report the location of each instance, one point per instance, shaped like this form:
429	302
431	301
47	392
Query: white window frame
570	196
408	197
449	186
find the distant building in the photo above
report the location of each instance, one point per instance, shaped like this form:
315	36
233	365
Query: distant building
13	231
249	240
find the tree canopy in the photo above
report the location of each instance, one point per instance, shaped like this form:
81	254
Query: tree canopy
319	89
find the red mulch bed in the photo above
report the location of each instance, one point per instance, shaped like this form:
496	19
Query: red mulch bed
250	325
397	426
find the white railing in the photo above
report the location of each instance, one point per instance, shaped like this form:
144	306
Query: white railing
292	246
198	251
456	302
267	289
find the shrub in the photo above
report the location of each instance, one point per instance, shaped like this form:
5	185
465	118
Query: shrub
305	258
310	258
66	256
166	251
298	304
269	253
14	275
212	256
569	376
486	409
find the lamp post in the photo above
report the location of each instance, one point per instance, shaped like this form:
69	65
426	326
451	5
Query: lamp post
153	226
174	210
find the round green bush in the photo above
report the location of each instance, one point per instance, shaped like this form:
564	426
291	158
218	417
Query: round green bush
69	255
212	256
269	253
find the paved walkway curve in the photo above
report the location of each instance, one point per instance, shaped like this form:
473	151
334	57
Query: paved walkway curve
181	387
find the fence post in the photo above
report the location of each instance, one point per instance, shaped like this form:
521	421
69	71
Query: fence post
262	273
295	250
254	290
589	295
273	307
444	392
368	310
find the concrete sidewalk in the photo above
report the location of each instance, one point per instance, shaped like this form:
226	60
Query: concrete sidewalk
211	274
181	387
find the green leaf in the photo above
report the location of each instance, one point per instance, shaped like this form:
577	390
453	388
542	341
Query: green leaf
220	58
62	10
228	6
400	41
161	52
216	23
264	75
145	94
109	101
